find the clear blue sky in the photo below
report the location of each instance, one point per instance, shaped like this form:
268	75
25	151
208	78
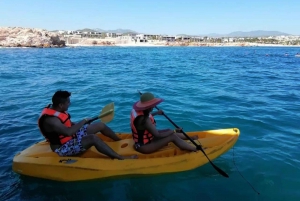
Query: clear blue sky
155	16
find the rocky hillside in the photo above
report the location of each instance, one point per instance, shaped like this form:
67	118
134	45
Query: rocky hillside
26	37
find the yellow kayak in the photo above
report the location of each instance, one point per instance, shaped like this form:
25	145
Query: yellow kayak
39	161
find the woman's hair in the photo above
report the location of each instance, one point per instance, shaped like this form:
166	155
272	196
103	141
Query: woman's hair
60	97
146	115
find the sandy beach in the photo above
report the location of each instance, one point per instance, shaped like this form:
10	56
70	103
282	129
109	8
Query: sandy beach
174	44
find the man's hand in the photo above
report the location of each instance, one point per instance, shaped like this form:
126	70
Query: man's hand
88	120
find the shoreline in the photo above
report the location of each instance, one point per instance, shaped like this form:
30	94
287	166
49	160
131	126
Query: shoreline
18	37
153	45
178	45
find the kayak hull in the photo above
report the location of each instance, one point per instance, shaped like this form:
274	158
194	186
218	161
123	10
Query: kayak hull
39	161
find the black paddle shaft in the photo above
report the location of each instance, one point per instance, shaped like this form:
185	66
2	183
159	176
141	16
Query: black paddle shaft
93	119
199	147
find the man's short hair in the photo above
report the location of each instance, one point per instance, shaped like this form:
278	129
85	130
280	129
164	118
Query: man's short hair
60	97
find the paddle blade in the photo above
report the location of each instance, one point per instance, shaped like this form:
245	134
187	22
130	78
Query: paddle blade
107	113
224	174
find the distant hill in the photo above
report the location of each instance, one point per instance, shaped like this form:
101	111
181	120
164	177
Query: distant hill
121	31
86	30
110	31
214	35
182	35
257	33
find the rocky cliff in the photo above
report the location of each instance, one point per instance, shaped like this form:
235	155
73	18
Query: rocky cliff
26	37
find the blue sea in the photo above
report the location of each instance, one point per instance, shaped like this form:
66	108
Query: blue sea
256	89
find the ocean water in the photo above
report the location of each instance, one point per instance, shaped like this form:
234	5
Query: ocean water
256	89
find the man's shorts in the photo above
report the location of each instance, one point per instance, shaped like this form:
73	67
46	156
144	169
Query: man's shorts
73	146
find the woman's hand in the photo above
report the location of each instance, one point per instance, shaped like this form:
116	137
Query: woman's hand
178	130
159	112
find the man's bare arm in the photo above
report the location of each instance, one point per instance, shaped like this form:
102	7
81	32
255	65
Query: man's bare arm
58	127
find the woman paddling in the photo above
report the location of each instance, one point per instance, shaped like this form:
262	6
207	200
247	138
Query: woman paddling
144	133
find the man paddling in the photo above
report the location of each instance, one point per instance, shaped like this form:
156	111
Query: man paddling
67	138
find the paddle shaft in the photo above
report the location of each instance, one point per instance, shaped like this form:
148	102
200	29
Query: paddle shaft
100	116
93	119
197	146
170	120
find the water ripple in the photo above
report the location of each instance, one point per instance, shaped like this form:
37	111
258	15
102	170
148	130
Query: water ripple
204	88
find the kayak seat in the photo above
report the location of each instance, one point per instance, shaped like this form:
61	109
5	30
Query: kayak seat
125	147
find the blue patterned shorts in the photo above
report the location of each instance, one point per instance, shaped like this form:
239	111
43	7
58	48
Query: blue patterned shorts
73	146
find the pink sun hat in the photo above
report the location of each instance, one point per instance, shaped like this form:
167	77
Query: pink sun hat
147	100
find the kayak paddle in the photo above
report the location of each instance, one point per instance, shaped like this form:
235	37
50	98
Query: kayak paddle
106	115
199	147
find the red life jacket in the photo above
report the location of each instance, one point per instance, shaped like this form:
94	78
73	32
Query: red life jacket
55	138
140	136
